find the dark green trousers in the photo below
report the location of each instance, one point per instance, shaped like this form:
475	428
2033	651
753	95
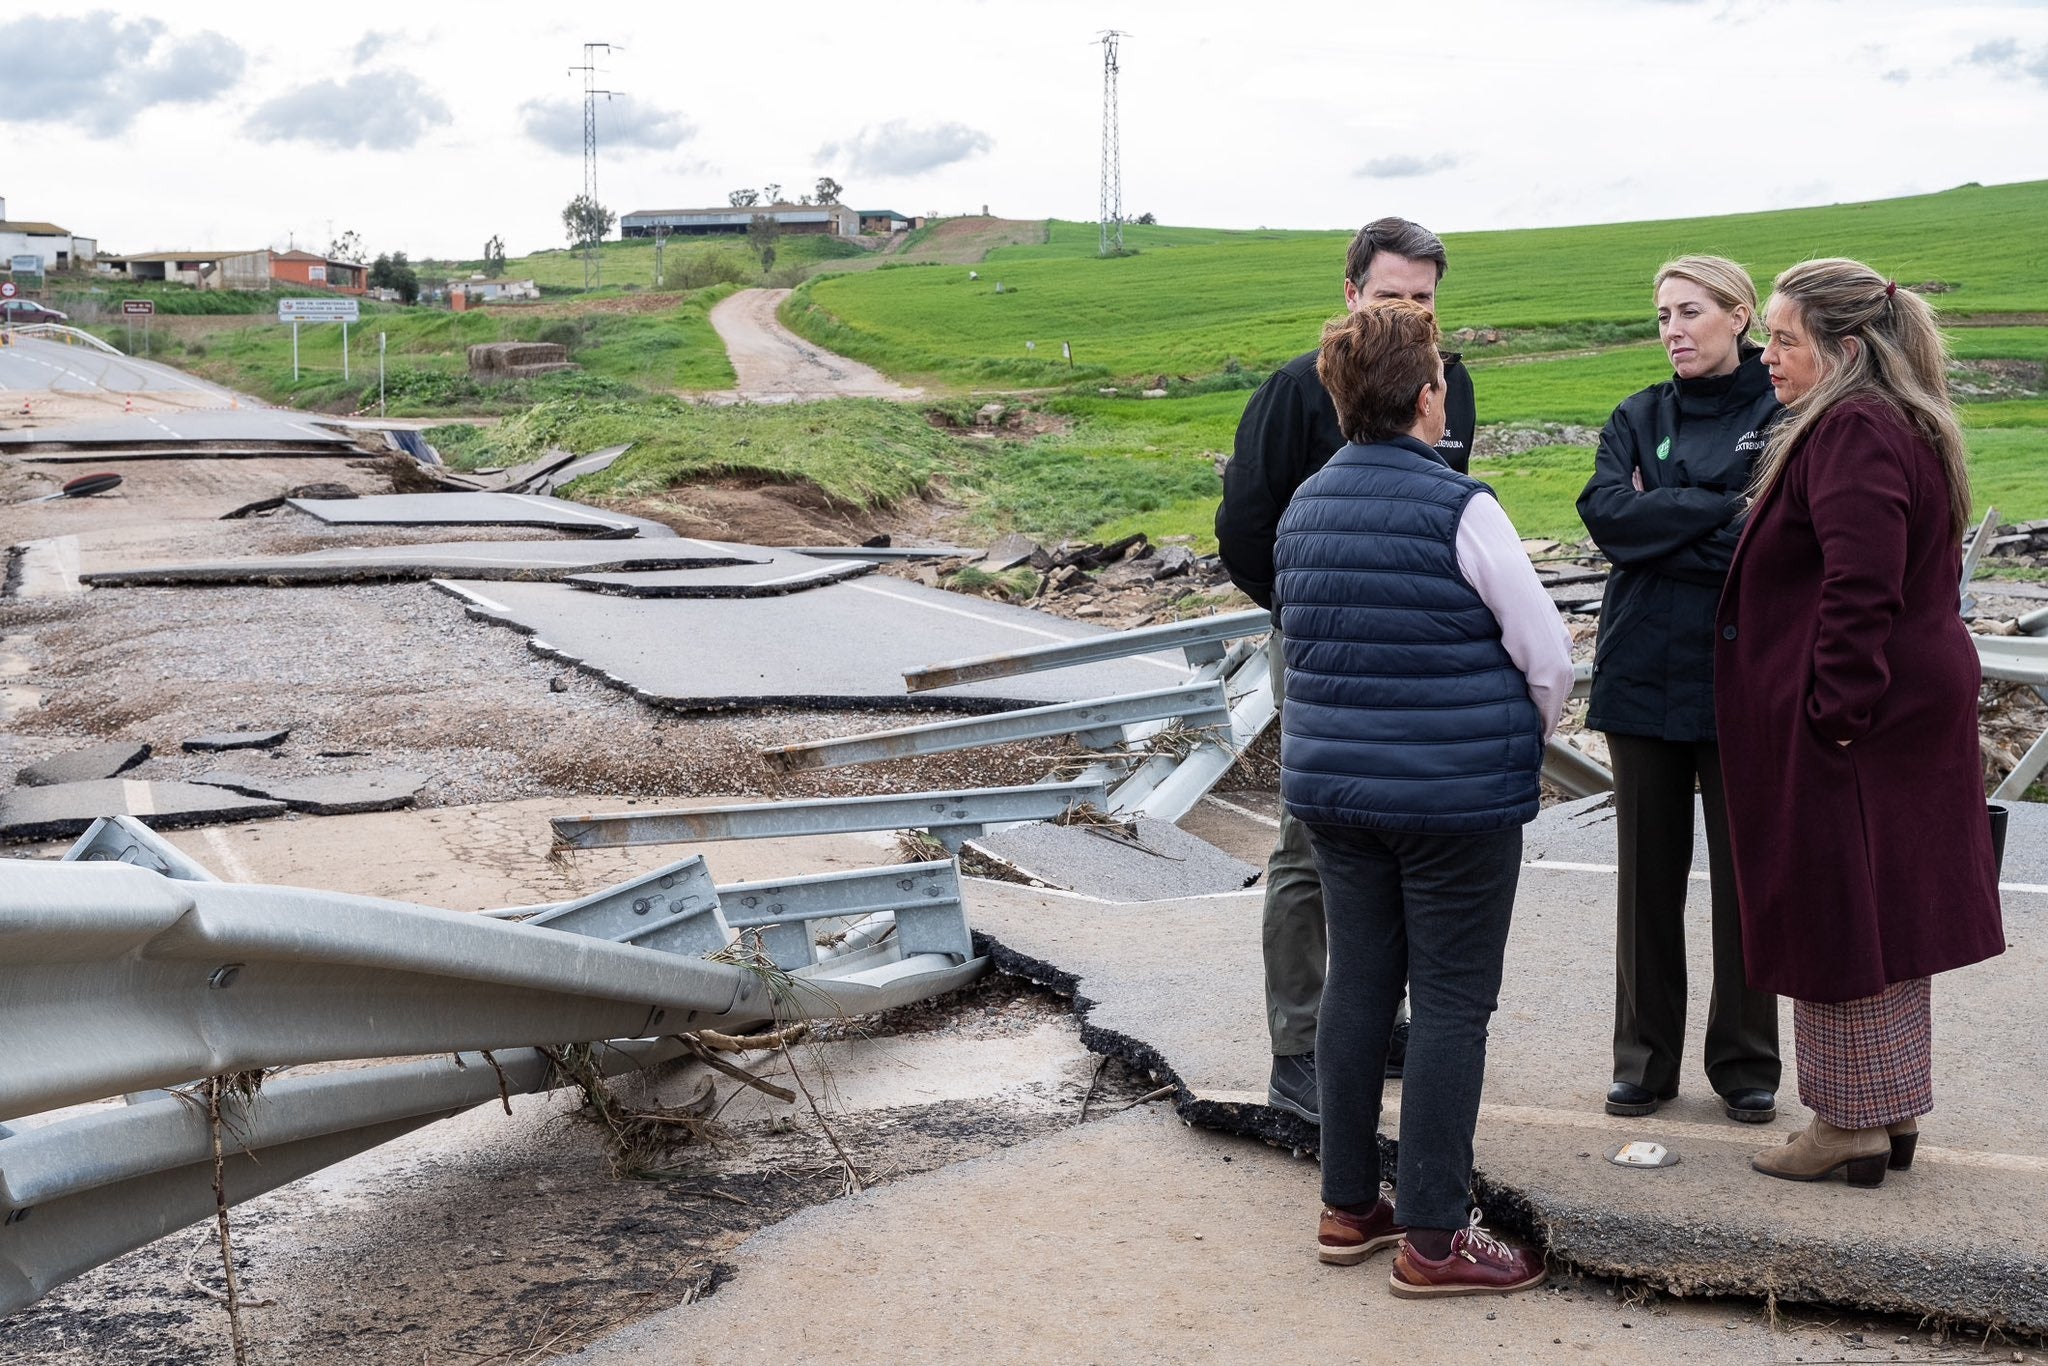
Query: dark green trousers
1296	940
1653	803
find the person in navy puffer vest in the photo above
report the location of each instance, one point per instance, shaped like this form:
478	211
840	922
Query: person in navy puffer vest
1426	669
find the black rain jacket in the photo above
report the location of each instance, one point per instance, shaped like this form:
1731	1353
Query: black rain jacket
1694	444
1288	431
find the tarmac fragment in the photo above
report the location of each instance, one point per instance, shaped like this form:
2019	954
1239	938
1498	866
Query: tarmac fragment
33	813
326	794
1140	860
236	739
83	765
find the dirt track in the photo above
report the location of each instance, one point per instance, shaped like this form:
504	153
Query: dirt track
775	365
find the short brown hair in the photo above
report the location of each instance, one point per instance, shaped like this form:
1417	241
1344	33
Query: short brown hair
1374	362
1396	237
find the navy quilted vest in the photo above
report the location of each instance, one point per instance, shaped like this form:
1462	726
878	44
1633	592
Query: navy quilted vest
1404	711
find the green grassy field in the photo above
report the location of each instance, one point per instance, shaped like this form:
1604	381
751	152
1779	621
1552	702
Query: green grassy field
652	344
864	452
1191	299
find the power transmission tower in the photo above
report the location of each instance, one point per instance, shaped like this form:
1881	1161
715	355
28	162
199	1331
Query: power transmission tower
1112	155
592	264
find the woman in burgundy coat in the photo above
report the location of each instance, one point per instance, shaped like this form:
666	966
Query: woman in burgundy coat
1846	696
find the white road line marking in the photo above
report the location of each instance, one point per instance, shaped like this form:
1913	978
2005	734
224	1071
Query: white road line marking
135	796
317	436
224	854
1244	811
1066	895
475	597
1559	866
820	573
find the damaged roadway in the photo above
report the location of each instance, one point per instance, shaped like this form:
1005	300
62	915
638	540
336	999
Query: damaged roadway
1176	986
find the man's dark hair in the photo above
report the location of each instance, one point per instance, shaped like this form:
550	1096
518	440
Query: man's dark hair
1397	236
1374	363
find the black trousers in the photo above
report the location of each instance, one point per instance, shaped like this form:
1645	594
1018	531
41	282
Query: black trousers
1653	792
1433	910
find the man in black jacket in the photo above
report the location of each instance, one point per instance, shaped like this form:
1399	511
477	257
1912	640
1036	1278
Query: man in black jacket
1288	431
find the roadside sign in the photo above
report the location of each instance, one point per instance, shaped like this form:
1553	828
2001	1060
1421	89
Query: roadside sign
31	264
7	290
138	308
318	311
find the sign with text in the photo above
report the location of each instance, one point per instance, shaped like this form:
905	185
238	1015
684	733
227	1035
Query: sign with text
318	311
30	264
138	308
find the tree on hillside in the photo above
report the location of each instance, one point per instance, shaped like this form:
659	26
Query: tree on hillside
762	230
1147	219
772	192
587	221
741	199
494	257
393	271
347	247
829	190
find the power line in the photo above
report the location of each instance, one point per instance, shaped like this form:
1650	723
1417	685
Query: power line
592	263
1112	211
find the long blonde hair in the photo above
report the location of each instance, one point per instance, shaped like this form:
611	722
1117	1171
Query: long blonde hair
1899	357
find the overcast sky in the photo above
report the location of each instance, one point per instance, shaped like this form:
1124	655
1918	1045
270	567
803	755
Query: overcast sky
237	124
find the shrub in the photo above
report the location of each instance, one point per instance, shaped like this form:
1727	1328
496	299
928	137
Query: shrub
561	333
706	268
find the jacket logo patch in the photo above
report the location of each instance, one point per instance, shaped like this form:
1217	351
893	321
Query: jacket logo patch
1664	449
1752	440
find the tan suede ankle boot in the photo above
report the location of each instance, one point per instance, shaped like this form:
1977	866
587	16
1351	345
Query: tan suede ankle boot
1905	1137
1822	1149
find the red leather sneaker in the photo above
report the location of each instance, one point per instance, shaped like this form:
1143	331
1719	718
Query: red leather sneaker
1478	1264
1348	1239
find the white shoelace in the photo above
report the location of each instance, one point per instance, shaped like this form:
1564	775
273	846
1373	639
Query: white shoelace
1476	1235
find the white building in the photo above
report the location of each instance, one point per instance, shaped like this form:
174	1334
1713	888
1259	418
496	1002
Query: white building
830	219
58	248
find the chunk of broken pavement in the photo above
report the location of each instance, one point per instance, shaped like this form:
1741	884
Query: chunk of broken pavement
68	808
327	794
235	739
1013	550
84	765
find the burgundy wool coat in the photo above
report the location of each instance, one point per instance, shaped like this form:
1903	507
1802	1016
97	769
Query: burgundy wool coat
1861	865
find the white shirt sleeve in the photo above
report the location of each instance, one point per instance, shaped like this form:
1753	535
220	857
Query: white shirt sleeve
1491	558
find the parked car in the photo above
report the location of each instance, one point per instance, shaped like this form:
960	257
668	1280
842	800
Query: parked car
22	312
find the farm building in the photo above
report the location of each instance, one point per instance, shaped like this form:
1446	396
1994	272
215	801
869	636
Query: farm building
305	268
200	269
887	220
59	248
465	294
835	219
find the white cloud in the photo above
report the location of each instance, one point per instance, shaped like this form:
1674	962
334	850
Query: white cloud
896	148
383	111
101	71
622	121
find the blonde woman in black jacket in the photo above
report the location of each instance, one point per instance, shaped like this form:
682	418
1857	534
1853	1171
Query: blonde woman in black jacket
1665	505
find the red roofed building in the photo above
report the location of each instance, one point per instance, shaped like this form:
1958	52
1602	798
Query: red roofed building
304	268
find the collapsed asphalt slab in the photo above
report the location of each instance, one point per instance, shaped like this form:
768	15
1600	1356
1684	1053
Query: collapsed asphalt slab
843	645
235	739
771	577
535	561
1151	861
477	509
35	813
326	794
84	765
1177	986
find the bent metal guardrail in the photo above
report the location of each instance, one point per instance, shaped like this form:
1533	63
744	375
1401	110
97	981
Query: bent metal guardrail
70	336
130	967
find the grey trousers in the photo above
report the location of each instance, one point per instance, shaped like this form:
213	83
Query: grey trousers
1432	910
1653	790
1297	946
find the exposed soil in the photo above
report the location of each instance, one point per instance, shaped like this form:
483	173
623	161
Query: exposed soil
755	511
508	1237
773	364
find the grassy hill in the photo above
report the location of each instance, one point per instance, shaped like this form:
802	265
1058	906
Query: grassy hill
1571	307
1192	300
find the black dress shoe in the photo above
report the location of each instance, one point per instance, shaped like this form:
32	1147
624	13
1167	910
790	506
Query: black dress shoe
1627	1098
1752	1105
